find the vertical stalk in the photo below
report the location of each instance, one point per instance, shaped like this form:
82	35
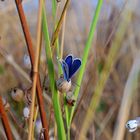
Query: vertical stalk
32	57
86	52
36	65
5	121
57	30
55	94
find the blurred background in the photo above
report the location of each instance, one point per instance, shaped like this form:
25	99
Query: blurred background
120	100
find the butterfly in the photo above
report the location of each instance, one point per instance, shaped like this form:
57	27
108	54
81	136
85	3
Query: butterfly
70	66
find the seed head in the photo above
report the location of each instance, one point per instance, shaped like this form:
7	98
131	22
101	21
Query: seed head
26	112
63	85
17	94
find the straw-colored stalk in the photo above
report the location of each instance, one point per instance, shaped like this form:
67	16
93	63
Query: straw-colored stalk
29	43
110	61
35	76
63	35
57	30
128	96
34	118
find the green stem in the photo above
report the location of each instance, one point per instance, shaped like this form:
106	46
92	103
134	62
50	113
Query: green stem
59	66
86	52
68	133
55	94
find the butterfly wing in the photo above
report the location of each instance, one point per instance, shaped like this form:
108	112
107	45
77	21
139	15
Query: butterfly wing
69	60
65	69
74	67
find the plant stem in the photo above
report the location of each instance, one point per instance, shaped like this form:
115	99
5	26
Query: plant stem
32	58
86	52
68	133
55	94
31	120
60	53
110	61
57	30
5	121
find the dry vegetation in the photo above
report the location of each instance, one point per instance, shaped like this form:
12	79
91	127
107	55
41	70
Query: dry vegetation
120	99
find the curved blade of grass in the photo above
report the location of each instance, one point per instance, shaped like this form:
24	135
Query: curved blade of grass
55	94
86	52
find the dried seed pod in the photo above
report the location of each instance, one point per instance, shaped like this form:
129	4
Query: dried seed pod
5	104
70	99
26	112
17	94
63	85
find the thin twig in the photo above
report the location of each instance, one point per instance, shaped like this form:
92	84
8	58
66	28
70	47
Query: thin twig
31	53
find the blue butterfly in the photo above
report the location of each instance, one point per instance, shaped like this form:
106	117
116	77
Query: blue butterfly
70	66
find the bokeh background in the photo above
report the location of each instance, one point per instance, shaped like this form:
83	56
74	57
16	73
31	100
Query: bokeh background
120	100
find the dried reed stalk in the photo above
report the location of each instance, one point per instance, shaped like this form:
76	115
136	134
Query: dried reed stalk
56	32
5	121
32	58
36	65
130	86
63	35
129	93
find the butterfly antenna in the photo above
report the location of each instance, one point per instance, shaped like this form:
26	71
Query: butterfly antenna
76	84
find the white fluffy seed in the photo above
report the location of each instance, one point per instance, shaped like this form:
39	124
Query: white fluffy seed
26	112
26	61
38	126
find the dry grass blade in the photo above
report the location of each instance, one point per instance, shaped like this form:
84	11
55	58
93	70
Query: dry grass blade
104	123
127	99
